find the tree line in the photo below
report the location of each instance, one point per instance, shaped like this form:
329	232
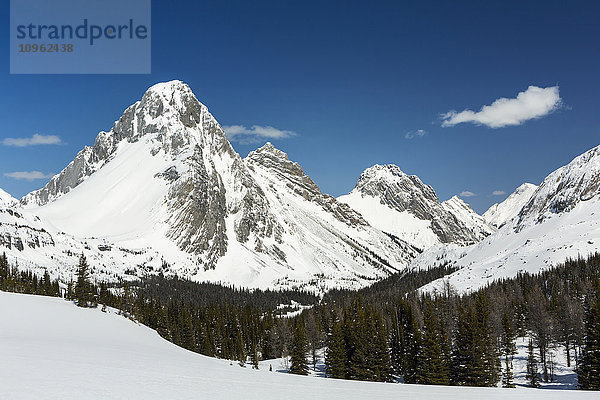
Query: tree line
385	332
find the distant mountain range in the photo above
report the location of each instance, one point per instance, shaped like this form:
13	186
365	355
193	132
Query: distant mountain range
164	192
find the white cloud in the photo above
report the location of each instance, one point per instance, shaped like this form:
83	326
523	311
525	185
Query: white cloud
533	103
28	175
414	134
498	192
32	141
466	193
255	133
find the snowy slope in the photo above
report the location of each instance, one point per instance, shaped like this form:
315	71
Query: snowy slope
561	220
164	191
467	216
53	350
404	206
319	230
499	213
6	200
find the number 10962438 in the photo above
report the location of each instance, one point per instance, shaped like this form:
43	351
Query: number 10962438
45	48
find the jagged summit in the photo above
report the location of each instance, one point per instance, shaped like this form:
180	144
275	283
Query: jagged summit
378	172
463	212
169	87
403	205
268	151
165	185
269	156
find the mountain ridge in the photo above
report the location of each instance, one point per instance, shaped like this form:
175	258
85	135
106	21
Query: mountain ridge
197	209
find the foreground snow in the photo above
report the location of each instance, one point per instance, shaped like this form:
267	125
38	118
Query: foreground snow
51	349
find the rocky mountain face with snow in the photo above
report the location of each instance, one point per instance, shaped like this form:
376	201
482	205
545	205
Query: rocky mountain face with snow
564	189
6	200
500	213
164	191
466	216
404	206
559	221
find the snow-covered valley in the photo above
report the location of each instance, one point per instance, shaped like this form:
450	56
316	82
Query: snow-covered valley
51	349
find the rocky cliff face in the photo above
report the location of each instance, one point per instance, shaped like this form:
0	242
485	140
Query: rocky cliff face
564	189
466	216
166	185
418	204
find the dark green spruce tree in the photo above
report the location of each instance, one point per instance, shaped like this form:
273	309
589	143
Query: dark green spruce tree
404	341
84	294
335	357
588	372
298	361
434	358
532	375
508	350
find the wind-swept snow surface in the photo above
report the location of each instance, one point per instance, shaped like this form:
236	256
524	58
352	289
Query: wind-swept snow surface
50	349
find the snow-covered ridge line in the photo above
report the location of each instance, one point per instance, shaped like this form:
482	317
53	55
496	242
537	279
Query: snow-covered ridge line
500	213
403	205
559	221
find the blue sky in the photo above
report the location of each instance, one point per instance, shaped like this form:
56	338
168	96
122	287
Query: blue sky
352	80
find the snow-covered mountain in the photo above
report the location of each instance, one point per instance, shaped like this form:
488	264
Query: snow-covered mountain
467	216
560	221
6	200
164	191
404	206
499	213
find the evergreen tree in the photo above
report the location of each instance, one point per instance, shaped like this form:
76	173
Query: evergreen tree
378	355
254	355
486	344
589	366
4	272
299	364
355	326
463	355
475	358
83	287
508	349
434	362
404	341
532	375
335	356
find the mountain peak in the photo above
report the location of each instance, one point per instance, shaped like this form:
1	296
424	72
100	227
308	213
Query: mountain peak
456	200
268	148
168	117
168	88
525	187
382	171
500	213
6	200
